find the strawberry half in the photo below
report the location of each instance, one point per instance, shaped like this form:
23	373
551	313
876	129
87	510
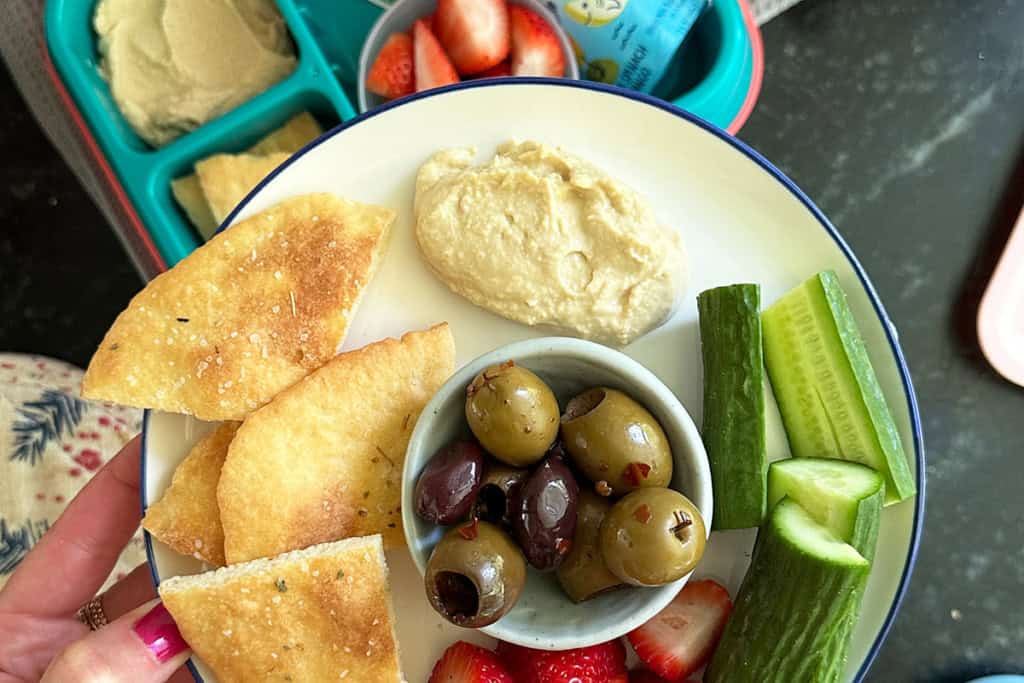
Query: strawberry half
391	74
682	637
536	50
496	71
432	66
465	663
473	32
604	663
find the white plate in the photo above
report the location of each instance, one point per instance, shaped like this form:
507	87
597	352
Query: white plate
741	219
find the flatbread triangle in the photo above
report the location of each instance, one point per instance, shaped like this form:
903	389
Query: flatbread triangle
319	614
246	315
186	516
323	460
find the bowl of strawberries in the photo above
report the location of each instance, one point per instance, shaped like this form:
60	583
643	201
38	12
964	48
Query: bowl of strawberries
418	45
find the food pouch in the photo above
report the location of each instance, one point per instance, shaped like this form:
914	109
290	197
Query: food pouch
629	43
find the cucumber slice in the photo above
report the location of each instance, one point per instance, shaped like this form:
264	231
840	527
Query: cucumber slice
831	403
845	497
790	621
734	429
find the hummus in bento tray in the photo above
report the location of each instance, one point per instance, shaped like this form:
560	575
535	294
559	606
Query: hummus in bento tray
173	65
541	236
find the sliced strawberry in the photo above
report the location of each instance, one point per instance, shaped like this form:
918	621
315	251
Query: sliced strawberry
391	75
473	32
535	47
432	66
465	663
496	71
682	637
604	663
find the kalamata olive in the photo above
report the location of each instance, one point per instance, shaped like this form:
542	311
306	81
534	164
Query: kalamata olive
652	536
513	413
616	442
544	514
498	488
582	573
474	575
449	483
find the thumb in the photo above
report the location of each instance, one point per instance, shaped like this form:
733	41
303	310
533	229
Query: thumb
143	646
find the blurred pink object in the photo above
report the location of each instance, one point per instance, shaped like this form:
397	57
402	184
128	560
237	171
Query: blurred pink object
1001	314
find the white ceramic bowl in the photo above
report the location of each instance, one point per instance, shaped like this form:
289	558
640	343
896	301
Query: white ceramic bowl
544	617
400	17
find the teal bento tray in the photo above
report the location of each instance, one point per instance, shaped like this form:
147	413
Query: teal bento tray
145	173
716	75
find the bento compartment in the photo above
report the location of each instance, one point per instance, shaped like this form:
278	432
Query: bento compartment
237	149
338	28
75	48
145	172
76	34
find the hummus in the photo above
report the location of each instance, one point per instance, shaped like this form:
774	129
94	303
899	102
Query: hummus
173	65
543	237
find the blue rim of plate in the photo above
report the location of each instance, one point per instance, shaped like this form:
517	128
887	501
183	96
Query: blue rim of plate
752	155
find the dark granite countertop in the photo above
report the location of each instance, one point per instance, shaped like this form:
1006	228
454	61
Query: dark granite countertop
904	121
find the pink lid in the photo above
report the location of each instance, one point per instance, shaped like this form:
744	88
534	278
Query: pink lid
1001	314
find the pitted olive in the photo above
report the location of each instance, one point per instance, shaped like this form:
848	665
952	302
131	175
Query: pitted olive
616	442
652	536
498	488
513	413
475	575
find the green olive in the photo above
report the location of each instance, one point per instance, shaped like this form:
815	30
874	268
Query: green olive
513	414
615	441
652	536
475	575
583	574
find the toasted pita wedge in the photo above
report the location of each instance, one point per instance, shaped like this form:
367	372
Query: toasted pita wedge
323	460
249	313
189	194
299	131
227	178
320	614
186	517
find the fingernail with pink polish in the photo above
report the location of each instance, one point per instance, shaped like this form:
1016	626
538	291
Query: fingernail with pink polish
159	633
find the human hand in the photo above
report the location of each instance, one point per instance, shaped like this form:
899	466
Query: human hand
41	639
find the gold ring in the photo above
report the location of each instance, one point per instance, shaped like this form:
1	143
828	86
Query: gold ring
92	615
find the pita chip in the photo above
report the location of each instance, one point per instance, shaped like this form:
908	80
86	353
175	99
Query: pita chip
320	614
295	134
226	179
299	131
186	517
323	460
189	195
249	313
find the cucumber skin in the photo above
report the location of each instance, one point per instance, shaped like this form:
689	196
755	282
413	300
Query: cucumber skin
734	412
792	618
808	428
899	478
865	529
